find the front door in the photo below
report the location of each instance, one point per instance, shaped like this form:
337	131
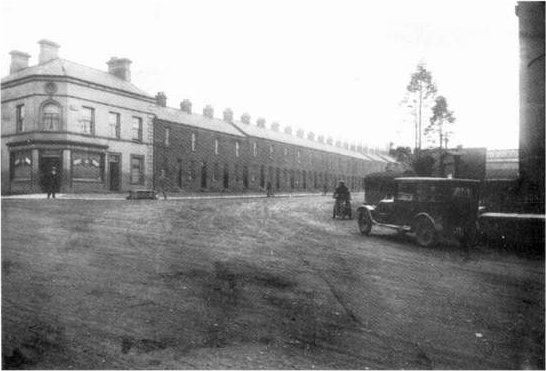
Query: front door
113	169
46	164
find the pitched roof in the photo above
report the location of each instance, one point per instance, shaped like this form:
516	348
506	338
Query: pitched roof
178	116
278	136
63	67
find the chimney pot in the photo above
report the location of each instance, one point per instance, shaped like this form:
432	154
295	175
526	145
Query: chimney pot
311	135
275	126
299	133
288	130
48	51
245	118
228	115
320	138
329	140
260	122
185	106
19	60
208	111
161	99
120	67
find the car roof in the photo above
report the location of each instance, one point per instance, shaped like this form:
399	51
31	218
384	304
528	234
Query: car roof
436	180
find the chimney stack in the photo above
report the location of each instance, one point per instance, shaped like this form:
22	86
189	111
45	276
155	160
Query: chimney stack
288	130
228	115
346	145
338	143
48	51
311	135
245	118
185	106
260	122
120	67
320	138
299	133
208	111
161	99
353	147
275	126
19	60
329	141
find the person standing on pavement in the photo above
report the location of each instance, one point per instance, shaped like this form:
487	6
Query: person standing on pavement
51	182
163	183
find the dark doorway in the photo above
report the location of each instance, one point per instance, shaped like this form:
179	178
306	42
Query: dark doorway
226	176
114	171
46	164
278	178
262	176
245	177
180	173
204	175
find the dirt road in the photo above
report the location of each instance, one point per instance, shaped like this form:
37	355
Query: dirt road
253	284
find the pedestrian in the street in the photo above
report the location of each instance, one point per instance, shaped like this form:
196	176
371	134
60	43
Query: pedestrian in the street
163	183
51	182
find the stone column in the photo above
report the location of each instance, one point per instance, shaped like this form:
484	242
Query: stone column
35	172
66	180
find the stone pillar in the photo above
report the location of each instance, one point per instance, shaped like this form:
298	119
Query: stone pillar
35	172
66	180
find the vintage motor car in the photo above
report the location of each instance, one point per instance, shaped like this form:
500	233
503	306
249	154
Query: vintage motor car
429	207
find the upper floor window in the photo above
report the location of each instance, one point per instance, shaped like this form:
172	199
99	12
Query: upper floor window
88	120
255	149
167	137
285	151
237	149
298	156
115	126
271	150
20	117
215	146
51	117
137	129
193	142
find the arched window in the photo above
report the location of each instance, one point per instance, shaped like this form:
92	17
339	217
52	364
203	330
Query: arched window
51	116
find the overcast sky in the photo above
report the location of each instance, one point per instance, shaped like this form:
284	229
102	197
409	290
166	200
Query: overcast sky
338	68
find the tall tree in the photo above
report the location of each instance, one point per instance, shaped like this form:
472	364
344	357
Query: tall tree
441	122
421	91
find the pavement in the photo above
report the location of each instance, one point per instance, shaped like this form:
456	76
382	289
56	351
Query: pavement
170	197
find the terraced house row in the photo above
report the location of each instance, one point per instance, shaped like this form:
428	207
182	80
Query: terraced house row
103	133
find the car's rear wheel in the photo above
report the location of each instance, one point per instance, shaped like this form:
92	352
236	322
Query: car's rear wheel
364	222
425	232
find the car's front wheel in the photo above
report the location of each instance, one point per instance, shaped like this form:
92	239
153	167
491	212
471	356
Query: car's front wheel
425	232
364	222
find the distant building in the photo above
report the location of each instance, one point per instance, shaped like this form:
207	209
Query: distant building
104	134
502	164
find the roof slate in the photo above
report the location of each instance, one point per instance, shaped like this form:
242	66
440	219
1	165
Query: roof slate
278	136
178	116
63	67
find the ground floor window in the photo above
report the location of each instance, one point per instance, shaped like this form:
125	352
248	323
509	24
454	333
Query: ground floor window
21	165
87	166
137	169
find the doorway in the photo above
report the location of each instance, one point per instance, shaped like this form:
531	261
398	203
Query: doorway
114	171
46	164
204	175
245	177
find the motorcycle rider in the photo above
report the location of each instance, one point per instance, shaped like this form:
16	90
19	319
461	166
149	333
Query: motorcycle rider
343	197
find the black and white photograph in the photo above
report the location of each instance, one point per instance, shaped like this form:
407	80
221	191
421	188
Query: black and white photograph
272	185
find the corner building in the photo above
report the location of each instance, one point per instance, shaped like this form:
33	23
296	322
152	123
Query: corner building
95	127
104	134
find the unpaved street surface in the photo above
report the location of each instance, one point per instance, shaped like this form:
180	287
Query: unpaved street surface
253	284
